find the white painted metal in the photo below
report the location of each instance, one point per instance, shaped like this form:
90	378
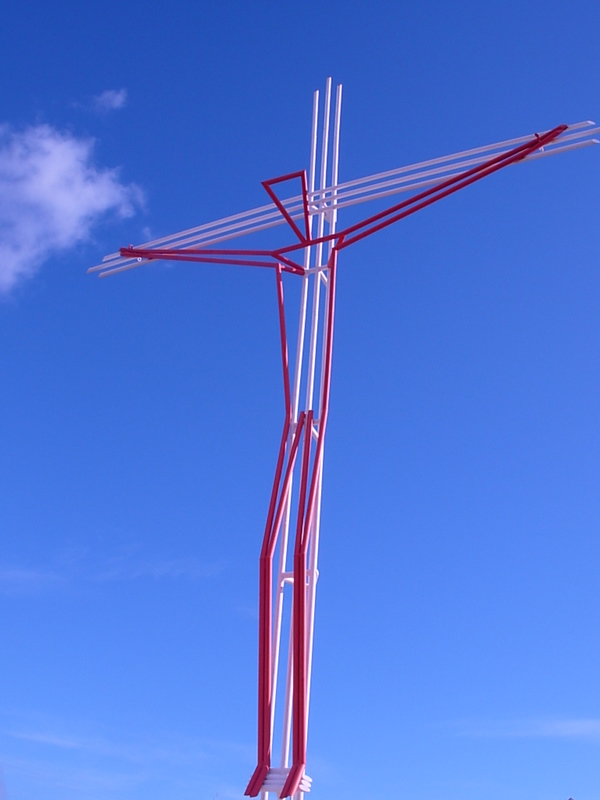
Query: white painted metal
315	329
310	382
276	776
374	187
324	204
313	572
308	360
285	576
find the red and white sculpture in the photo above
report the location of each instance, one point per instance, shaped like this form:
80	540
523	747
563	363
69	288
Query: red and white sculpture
293	518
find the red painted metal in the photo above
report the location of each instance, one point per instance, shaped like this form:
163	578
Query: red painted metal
299	623
448	187
283	179
266	602
303	532
293	266
284	344
209	256
270	537
362	229
290	440
389	215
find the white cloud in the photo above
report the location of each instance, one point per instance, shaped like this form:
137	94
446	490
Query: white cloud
62	758
51	196
19	580
42	777
141	750
16	580
588	729
126	568
110	100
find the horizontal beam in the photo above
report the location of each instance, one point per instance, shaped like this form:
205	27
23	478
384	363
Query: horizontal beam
414	177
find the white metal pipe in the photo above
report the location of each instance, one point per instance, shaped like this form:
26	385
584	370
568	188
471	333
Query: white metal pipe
268	209
316	524
287	707
287	710
336	155
376	182
499	146
312	353
199	228
266	217
324	204
565	149
310	385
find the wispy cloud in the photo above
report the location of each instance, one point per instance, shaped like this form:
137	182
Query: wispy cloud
172	751
588	729
126	568
108	765
20	580
110	100
247	611
51	196
82	566
133	752
42	777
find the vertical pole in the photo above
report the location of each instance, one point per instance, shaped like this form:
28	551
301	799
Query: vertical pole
305	574
309	474
287	709
314	544
310	378
296	773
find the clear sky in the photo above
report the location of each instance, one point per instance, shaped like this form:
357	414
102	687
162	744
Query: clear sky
457	646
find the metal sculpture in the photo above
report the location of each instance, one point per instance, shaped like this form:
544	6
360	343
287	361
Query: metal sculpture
299	468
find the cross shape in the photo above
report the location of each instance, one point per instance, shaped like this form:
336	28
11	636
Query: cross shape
313	257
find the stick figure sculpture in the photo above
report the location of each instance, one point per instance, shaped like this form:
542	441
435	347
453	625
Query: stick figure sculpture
313	257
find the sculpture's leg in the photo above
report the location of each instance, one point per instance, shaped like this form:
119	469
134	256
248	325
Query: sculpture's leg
273	524
265	690
299	627
303	531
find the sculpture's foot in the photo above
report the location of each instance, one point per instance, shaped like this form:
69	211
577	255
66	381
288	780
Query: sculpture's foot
257	780
296	780
276	780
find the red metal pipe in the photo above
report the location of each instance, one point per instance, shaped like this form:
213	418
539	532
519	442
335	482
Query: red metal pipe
300	654
209	256
299	622
283	210
366	227
446	188
324	410
294	266
265	690
265	608
284	343
510	157
279	260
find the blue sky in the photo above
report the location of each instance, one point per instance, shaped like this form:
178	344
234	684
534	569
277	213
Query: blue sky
458	610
